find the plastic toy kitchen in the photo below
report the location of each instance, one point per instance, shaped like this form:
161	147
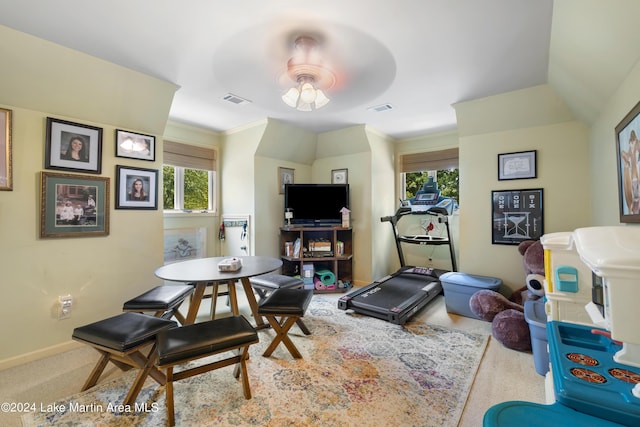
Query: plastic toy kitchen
595	353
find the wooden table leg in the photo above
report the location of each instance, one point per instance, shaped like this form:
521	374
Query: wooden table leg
233	298
251	298
194	304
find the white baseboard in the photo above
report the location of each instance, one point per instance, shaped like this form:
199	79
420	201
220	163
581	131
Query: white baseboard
38	354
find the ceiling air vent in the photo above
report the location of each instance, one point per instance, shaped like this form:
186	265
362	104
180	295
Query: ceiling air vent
235	99
382	107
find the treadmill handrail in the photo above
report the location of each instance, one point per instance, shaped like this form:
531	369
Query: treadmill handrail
434	211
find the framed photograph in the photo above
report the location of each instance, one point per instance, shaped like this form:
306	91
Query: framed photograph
6	174
340	176
516	215
628	151
135	145
136	188
73	147
285	176
73	205
521	165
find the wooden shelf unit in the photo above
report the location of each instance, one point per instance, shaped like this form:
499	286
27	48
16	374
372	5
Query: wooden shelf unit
338	264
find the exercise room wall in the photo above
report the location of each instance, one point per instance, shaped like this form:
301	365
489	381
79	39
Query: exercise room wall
563	169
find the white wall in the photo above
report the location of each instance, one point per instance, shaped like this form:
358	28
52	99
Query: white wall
383	201
349	149
99	272
40	80
237	172
562	154
602	142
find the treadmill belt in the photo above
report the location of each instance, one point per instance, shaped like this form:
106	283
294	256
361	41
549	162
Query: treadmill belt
388	295
395	298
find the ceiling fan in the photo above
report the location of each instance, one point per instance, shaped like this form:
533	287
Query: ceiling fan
310	74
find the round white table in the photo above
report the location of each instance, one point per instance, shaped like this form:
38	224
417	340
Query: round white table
202	271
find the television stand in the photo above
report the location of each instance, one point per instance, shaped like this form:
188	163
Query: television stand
335	255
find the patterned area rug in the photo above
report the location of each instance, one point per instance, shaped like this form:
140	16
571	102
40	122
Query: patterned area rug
356	371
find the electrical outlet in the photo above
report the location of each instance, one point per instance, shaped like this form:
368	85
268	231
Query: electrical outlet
65	304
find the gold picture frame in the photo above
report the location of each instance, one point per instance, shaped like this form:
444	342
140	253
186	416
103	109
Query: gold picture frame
73	205
6	171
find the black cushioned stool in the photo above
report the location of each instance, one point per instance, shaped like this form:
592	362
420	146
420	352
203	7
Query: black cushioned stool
282	308
121	339
163	300
180	345
265	284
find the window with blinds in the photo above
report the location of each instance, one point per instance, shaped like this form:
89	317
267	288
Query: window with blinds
430	161
442	165
189	174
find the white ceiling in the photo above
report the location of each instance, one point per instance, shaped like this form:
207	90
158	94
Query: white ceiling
420	56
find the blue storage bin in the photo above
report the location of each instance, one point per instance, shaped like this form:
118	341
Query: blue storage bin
458	288
536	317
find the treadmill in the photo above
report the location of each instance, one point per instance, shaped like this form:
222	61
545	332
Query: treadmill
397	297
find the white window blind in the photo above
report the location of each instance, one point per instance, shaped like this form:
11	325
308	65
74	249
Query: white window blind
429	161
189	156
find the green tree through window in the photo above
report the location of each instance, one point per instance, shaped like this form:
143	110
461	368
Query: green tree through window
187	189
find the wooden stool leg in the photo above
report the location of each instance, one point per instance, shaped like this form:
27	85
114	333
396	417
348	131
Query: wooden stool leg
97	371
169	397
302	326
179	316
147	368
281	329
241	370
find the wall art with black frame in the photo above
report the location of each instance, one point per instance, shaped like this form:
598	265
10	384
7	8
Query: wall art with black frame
516	215
74	147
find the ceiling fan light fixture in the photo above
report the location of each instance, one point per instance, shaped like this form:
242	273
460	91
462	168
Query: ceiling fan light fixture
291	97
321	99
307	70
305	96
307	93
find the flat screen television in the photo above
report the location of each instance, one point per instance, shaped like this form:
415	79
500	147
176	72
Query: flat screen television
316	204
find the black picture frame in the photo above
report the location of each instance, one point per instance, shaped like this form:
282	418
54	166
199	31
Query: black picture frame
518	165
127	178
73	205
628	165
133	145
516	215
62	135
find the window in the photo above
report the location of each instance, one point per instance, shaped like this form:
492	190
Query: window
188	177
188	189
441	165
